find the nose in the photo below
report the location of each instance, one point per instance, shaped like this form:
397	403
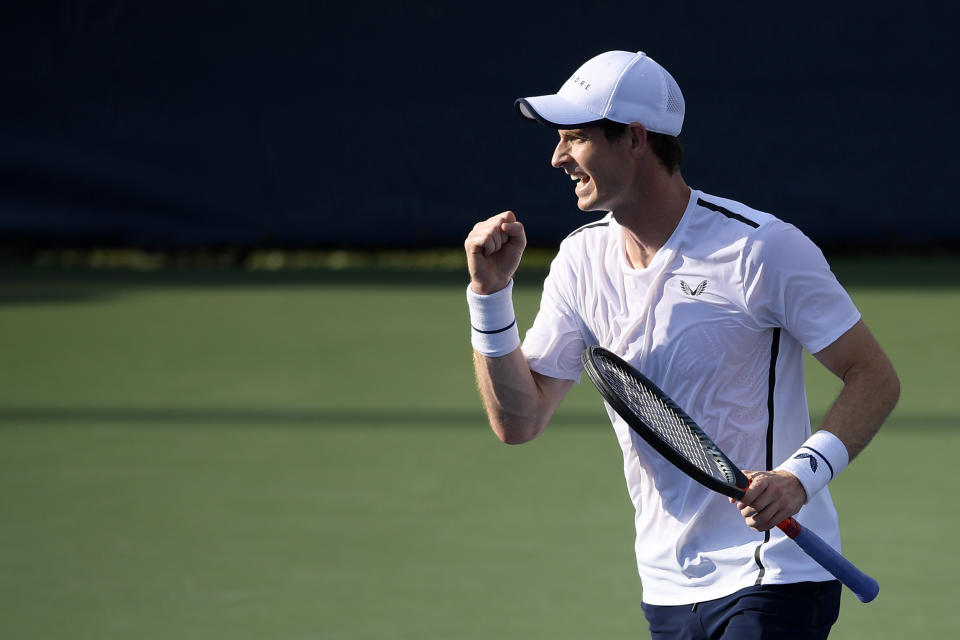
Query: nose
560	155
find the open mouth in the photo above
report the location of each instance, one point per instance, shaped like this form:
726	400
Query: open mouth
582	181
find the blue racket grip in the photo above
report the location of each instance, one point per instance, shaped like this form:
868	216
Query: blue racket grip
862	585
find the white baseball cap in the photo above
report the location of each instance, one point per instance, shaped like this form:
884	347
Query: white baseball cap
617	85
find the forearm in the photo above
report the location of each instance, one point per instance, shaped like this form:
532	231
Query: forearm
870	392
515	404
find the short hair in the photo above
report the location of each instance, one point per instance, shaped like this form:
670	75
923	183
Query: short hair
667	148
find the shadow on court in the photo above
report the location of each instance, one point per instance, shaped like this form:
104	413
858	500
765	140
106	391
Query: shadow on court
330	418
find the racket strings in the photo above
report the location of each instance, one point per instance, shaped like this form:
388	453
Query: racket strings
663	419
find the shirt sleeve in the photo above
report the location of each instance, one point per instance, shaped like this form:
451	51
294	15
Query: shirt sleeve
554	343
788	283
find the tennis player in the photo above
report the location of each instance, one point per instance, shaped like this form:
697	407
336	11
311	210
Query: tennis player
715	302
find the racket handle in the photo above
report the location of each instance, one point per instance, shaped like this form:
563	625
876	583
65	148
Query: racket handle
862	585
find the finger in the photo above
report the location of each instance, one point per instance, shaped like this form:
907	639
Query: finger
513	229
755	489
777	517
473	245
497	221
753	519
477	238
493	242
477	244
754	500
748	499
768	518
766	511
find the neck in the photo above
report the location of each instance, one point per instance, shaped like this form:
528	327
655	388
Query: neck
652	217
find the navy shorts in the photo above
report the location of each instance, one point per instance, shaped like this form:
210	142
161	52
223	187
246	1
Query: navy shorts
801	611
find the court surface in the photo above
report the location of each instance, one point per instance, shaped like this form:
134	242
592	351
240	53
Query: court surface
223	453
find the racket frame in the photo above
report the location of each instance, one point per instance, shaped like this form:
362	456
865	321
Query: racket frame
736	483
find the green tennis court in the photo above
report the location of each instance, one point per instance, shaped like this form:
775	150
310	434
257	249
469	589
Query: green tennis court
301	454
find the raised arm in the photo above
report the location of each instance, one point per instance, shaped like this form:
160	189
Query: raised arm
519	402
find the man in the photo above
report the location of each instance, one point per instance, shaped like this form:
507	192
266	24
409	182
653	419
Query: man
715	302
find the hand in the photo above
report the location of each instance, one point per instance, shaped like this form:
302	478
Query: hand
494	248
773	496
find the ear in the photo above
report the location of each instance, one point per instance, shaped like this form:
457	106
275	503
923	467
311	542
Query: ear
638	138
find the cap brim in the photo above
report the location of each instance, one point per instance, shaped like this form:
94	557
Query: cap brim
555	112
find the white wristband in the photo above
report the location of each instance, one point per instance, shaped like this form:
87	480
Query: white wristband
818	461
493	323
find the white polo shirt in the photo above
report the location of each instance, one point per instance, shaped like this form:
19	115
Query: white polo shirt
719	321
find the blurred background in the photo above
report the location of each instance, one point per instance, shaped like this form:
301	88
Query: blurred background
365	124
235	385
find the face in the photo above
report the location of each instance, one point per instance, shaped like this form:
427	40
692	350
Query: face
602	169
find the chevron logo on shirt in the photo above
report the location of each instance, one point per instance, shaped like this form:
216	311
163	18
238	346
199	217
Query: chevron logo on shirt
700	288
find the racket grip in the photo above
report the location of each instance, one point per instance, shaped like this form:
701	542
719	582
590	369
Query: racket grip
862	585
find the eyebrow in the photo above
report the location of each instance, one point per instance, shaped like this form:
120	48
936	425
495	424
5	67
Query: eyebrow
574	133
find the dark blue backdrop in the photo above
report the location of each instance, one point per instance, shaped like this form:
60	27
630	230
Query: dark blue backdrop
172	124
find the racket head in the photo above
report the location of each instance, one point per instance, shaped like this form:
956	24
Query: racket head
656	418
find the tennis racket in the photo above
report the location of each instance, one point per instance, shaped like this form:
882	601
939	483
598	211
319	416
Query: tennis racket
668	429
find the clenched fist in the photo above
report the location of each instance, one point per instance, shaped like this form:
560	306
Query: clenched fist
494	248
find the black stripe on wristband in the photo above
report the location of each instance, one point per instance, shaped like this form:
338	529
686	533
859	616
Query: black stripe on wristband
822	457
496	330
